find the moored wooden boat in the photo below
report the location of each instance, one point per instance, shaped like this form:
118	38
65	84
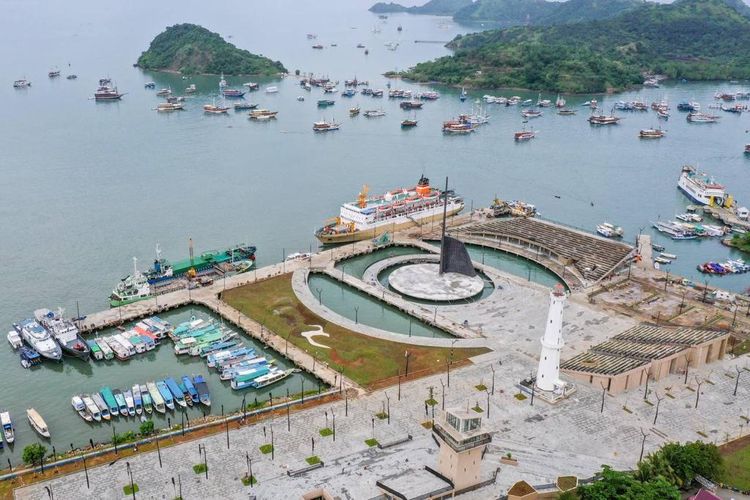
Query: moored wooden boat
37	422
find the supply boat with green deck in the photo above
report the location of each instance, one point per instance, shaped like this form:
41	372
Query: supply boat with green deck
164	275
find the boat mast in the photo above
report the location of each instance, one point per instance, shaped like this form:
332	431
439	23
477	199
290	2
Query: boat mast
442	237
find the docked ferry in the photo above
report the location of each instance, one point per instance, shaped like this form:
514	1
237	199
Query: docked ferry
700	187
369	217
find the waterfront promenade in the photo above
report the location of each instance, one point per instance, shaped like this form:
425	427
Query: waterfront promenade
546	440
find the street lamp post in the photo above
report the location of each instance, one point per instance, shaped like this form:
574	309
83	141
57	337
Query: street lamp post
493	379
333	416
132	485
388	411
442	394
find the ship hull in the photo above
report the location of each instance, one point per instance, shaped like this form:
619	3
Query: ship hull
74	353
122	302
334	239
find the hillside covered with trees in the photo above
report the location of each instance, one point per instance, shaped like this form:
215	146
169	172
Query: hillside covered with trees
691	39
192	49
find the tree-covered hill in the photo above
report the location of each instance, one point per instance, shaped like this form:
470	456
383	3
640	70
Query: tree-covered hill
189	48
692	39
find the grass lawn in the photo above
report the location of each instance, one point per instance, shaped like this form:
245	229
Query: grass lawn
736	460
366	360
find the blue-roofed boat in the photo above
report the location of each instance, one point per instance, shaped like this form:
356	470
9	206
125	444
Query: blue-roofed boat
349	93
122	405
165	394
200	385
188	383
231	371
245	378
205	350
176	391
110	401
219	356
185	393
29	357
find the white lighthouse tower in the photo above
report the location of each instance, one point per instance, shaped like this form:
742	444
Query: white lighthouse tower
548	374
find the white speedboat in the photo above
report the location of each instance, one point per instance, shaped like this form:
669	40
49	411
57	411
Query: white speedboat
80	407
609	230
37	422
91	408
7	423
39	338
14	339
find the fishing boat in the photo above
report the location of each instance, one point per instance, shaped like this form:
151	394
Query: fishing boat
272	90
246	378
137	399
218	357
747	149
14	339
408	123
324	103
106	350
688	106
177	393
651	133
164	92
101	405
324	126
242	106
457	127
109	398
662	114
669	256
166	107
609	230
370	216
701	188
662	260
349	93
37	422
54	73
657	248
603	120
146	402
107	93
65	333
407	105
39	339
262	114
689	217
354	111
560	101
233	93
166	394
190	388
92	408
207	348
190	89
122	405
297	256
565	112
156	397
149	85
214	109
697	117
232	370
80	407
374	113
21	84
272	377
8	431
531	113
524	135
96	351
29	357
202	388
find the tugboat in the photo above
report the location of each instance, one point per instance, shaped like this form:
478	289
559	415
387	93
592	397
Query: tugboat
369	217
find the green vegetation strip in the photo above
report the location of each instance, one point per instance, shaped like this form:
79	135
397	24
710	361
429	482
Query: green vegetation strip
130	490
366	360
266	449
249	481
200	468
326	432
371	442
313	460
737	468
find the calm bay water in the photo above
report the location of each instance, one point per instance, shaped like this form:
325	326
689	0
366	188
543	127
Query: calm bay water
88	185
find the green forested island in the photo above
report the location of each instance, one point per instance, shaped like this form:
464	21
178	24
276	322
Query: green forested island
691	39
505	13
433	7
192	49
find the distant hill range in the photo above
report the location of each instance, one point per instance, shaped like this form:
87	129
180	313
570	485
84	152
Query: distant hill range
504	13
192	49
691	39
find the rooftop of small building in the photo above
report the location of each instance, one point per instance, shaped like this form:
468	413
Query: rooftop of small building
415	484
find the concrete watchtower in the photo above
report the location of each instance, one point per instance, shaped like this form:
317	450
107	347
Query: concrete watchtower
462	442
548	374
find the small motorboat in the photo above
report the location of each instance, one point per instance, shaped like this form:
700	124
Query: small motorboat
8	431
524	135
14	339
80	407
91	408
29	357
651	133
408	123
37	422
